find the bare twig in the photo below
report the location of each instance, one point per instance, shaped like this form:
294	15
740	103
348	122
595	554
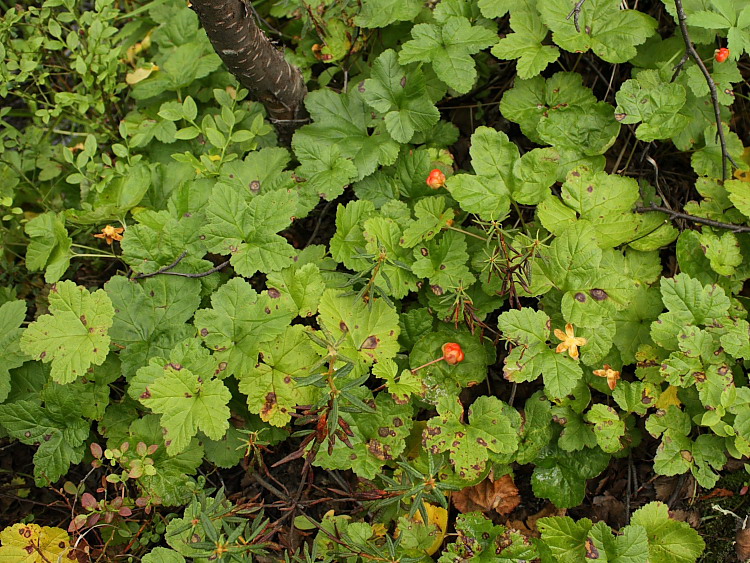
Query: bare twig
575	14
166	270
700	220
693	54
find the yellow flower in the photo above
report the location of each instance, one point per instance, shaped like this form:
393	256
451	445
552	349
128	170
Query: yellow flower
611	375
110	234
570	341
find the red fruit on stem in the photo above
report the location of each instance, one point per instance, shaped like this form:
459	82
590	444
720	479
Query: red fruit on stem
436	179
721	55
452	353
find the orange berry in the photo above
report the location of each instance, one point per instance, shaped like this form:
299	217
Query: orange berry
436	179
452	353
721	55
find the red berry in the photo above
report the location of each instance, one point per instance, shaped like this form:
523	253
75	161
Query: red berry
436	179
452	353
721	55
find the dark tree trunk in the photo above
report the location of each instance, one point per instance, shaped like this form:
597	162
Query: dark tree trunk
255	61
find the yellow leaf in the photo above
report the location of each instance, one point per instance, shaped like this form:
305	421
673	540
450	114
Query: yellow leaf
139	74
668	397
31	543
436	516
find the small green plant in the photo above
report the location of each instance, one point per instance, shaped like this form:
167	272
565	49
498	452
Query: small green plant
500	240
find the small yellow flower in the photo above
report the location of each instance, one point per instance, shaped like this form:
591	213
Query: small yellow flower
570	341
110	234
611	375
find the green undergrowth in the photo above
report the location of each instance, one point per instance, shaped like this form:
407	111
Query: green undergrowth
177	307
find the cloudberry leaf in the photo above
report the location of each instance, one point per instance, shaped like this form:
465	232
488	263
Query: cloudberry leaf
302	284
49	249
449	48
188	402
610	32
245	226
560	477
399	94
30	543
12	314
379	436
525	44
670	541
321	164
691	300
480	540
240	321
443	261
431	217
270	386
345	120
56	427
380	13
488	429
441	376
349	240
370	330
150	316
74	336
608	428
384	237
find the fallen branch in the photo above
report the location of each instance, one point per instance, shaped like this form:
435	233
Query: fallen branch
690	52
575	14
166	270
700	220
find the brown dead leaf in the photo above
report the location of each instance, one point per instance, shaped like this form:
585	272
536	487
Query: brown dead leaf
501	496
742	544
610	509
692	517
528	528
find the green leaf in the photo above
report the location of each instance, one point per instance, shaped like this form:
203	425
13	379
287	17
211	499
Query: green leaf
739	195
722	251
327	174
610	32
370	330
74	336
240	321
344	120
49	249
670	541
525	44
162	555
573	258
561	477
653	102
487	429
302	284
270	385
565	538
246	226
441	376
150	317
608	428
188	402
12	314
691	300
486	197
545	108
380	13
384	237
399	94
56	428
443	261
449	48
431	217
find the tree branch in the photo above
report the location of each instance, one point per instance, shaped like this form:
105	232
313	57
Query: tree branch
693	54
255	61
700	220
